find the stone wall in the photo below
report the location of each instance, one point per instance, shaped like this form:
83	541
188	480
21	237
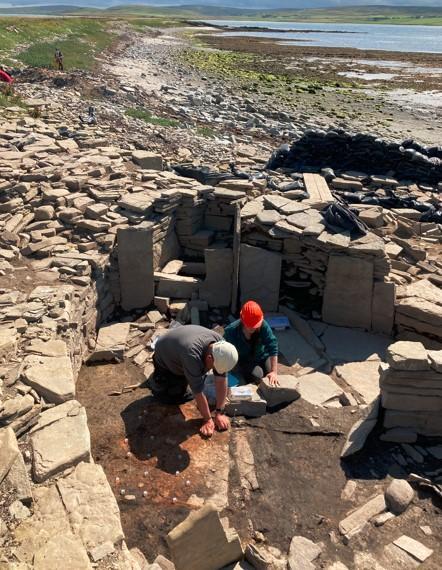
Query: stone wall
342	278
338	149
73	516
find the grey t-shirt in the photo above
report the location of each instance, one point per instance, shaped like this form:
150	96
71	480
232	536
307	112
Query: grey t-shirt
182	352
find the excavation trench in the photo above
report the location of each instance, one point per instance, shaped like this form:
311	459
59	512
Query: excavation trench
152	453
266	474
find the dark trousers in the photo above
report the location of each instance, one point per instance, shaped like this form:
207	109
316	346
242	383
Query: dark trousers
167	387
251	370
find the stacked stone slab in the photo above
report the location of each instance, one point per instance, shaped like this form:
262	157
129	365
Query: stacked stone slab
190	214
221	211
411	388
76	516
165	242
419	309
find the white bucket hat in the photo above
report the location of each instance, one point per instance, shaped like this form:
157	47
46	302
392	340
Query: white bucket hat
225	356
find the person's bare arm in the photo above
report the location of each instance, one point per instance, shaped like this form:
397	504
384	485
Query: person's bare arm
208	426
221	391
273	374
222	422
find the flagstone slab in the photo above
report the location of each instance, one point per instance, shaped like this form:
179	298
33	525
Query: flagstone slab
60	444
362	377
51	377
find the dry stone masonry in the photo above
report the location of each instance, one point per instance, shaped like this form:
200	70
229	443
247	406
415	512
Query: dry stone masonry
411	388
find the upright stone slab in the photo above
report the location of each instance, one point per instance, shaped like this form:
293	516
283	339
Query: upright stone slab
259	276
348	292
200	541
135	263
384	298
217	287
9	451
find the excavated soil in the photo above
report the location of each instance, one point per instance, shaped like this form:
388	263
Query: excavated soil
297	466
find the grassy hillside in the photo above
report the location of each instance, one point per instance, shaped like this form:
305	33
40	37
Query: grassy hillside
364	15
34	40
368	15
170	14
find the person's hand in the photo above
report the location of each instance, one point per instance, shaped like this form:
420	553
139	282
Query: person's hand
222	422
273	379
207	428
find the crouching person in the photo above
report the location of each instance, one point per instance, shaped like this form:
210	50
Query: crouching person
182	359
256	344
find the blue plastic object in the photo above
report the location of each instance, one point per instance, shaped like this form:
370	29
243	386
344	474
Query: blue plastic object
232	380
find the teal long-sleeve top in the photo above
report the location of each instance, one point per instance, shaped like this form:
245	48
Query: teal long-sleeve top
264	346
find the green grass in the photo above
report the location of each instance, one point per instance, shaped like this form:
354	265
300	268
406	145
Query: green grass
34	40
147	117
250	71
206	132
11	101
399	15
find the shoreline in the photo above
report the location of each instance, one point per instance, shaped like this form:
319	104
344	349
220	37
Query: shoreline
285	49
410	70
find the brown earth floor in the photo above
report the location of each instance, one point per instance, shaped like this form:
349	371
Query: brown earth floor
297	466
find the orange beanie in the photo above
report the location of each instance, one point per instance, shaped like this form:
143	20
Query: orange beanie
251	315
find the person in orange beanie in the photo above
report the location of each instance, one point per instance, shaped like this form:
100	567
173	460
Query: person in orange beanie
256	344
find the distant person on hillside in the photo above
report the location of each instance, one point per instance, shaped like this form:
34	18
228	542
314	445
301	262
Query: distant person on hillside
58	59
